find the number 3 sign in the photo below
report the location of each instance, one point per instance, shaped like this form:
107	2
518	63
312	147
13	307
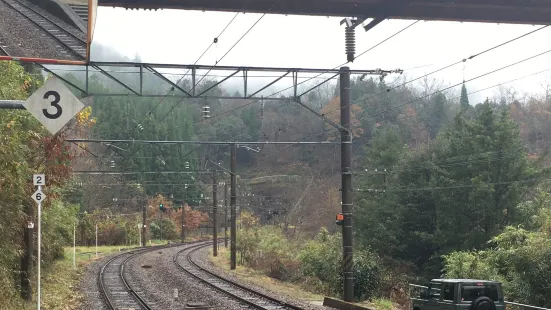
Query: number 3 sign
53	105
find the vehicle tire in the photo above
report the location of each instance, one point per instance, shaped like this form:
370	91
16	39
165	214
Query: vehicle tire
483	303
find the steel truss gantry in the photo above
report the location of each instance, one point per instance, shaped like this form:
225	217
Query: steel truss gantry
106	69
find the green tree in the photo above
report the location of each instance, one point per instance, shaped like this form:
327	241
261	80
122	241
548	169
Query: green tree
455	195
464	100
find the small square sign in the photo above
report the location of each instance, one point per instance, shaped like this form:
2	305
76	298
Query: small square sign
39	179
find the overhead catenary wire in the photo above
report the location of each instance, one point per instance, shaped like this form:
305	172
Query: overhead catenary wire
410	81
448	66
177	103
172	89
311	78
469	80
412	189
211	44
334	130
239	40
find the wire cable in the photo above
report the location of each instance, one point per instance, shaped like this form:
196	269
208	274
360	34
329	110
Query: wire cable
469	80
239	40
404	189
313	77
450	65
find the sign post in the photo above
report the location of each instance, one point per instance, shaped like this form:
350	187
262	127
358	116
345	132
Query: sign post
38	196
74	245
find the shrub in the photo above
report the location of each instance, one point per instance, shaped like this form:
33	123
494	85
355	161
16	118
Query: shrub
322	258
275	254
520	259
317	263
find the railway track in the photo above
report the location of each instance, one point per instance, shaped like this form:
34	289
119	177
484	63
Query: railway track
114	287
253	299
70	43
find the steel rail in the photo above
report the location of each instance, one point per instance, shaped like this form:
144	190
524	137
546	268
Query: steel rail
102	283
64	37
228	283
104	291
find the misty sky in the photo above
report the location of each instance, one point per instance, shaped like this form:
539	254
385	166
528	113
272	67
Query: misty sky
177	36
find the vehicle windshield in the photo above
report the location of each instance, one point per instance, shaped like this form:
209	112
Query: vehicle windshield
471	291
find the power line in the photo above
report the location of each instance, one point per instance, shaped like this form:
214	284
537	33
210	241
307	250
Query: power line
448	66
469	80
509	81
212	43
435	71
179	80
313	77
241	38
409	189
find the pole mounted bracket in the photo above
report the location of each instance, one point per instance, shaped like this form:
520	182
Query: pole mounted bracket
352	22
216	164
330	122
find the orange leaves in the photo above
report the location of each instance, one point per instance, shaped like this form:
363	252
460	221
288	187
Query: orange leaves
333	112
84	118
192	218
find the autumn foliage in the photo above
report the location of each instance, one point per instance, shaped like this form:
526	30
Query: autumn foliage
192	218
333	112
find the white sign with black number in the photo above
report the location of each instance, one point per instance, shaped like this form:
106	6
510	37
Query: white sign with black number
39	179
53	105
38	196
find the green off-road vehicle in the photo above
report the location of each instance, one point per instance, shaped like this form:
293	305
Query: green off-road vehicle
460	294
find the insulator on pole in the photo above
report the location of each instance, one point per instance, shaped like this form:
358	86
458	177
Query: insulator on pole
206	112
350	43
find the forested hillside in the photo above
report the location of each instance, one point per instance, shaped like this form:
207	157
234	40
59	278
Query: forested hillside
442	186
435	174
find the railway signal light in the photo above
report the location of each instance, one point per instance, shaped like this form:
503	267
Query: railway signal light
340	219
162	207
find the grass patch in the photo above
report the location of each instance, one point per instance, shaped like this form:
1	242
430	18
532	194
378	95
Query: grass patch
60	281
250	275
60	284
382	304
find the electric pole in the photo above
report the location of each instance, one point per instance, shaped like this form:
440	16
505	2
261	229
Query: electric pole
183	222
183	214
214	216
233	209
226	215
346	162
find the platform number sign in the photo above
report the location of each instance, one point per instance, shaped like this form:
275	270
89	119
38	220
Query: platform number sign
53	105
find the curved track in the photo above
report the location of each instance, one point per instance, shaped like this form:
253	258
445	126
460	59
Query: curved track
254	299
73	44
114	287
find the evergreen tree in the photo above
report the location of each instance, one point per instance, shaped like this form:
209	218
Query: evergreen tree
464	101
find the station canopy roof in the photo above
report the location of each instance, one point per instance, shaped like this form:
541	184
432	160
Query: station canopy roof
493	11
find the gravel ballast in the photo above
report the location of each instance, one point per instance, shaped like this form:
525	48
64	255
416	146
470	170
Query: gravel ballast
89	285
155	276
201	258
22	38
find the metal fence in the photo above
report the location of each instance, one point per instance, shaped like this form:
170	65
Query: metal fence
415	291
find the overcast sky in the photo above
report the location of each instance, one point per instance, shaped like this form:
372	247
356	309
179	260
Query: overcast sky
177	36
